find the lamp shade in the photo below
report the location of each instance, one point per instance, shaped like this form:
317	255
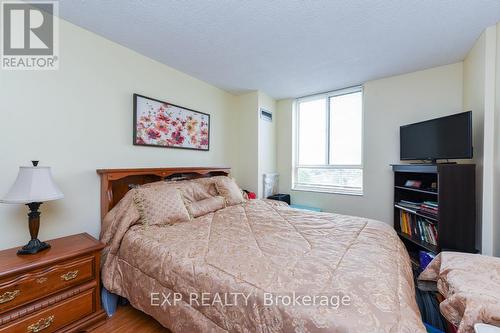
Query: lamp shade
33	184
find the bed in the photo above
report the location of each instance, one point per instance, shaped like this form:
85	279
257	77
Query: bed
294	270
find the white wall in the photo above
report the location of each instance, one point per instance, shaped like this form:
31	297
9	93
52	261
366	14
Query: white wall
284	143
481	79
253	140
388	103
79	118
489	145
493	94
474	64
267	140
244	140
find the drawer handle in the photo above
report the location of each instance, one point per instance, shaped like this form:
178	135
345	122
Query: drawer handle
9	296
41	280
69	276
41	324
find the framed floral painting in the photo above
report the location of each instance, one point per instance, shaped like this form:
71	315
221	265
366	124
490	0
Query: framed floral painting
162	124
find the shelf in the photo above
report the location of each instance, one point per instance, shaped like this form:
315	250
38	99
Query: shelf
416	190
415	168
422	244
451	188
435	219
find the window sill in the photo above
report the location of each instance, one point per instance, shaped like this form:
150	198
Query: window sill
302	188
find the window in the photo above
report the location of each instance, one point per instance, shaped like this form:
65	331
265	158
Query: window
328	142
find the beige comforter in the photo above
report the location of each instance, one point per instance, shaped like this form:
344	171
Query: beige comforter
263	250
470	284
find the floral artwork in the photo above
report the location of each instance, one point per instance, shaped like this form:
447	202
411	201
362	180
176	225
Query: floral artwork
163	124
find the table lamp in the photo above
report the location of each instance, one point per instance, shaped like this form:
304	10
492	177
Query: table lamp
33	186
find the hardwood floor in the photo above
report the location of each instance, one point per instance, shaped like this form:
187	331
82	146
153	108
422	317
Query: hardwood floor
129	320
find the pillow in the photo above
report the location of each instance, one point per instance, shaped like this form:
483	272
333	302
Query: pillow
205	206
160	205
192	189
228	188
209	184
195	191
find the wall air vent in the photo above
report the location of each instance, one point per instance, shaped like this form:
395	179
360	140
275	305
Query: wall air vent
266	115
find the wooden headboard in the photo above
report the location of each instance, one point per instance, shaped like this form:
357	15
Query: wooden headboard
115	183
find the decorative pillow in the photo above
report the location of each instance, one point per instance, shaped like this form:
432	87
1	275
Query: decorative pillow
228	188
160	205
205	206
195	191
209	184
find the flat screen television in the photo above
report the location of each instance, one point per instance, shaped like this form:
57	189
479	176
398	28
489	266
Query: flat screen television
447	137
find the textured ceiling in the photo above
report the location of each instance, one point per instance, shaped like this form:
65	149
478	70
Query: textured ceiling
290	48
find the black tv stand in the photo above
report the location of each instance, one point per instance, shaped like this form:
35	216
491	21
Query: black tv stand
452	188
432	162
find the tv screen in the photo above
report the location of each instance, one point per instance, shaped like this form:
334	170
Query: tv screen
442	138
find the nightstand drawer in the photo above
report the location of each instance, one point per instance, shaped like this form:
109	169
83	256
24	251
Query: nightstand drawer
54	317
43	282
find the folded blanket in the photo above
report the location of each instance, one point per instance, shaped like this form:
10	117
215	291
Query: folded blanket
470	284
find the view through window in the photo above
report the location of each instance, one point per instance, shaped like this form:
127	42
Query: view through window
328	141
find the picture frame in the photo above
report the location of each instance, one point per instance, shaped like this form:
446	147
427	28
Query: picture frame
166	125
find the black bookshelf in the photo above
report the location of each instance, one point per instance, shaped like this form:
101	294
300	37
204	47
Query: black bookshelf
452	186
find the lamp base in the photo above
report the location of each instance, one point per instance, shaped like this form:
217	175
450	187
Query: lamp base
34	246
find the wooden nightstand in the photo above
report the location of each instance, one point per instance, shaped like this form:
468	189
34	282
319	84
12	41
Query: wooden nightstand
56	290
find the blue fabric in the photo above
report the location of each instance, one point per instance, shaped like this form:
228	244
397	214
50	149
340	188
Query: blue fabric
425	258
429	310
109	301
314	209
431	329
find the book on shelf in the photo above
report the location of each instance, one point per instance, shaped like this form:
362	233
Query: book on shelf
418	228
410	204
429	208
424	205
431	204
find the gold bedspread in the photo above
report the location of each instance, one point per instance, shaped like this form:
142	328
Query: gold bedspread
262	250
